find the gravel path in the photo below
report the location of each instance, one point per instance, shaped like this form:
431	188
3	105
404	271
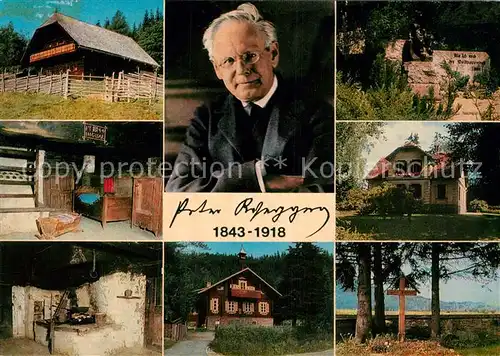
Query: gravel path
196	345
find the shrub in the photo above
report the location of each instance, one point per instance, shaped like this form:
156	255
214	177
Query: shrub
469	339
249	340
352	102
357	199
388	199
477	205
488	79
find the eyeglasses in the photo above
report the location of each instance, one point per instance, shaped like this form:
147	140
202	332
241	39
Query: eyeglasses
246	58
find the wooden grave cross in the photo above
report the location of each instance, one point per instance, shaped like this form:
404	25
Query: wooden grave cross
402	292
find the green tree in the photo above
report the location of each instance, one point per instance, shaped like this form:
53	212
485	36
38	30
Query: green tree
353	140
179	284
119	24
479	144
307	286
150	38
386	265
146	20
439	144
364	315
12	45
133	33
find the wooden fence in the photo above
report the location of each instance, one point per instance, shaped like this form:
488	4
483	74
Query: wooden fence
118	87
175	332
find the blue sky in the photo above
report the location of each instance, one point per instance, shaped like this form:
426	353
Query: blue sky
27	15
255	249
463	289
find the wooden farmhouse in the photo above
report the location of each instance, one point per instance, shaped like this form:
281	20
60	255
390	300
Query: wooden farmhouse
243	297
433	178
63	43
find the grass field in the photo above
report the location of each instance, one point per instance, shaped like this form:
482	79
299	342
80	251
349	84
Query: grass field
480	351
22	106
424	227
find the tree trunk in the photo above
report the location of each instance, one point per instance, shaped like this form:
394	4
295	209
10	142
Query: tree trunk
364	316
435	332
378	281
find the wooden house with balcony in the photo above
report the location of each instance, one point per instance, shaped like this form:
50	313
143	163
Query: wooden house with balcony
434	179
243	297
64	43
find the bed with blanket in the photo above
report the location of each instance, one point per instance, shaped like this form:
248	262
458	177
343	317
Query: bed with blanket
104	205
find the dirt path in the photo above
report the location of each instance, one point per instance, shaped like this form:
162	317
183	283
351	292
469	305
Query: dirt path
27	347
22	347
320	353
137	351
195	345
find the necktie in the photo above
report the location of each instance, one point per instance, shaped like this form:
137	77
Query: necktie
259	126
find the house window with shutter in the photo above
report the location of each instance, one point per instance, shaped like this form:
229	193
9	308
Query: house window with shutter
231	307
214	305
248	308
416	167
263	308
401	168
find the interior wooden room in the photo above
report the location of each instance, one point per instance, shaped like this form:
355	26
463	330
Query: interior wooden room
80	181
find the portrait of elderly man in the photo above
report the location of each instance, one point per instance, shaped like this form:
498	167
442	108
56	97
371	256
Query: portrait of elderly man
266	133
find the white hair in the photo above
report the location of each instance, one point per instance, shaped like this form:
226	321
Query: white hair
244	13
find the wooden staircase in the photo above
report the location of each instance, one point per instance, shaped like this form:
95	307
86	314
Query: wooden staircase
14	174
18	190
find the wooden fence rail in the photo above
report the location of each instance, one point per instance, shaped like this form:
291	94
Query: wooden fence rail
117	87
175	332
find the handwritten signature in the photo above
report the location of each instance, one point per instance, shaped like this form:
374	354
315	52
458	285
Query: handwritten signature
247	206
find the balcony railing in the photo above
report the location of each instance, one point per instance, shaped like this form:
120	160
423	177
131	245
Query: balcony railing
245	293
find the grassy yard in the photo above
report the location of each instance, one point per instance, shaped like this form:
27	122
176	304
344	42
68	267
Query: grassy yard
480	351
422	227
21	106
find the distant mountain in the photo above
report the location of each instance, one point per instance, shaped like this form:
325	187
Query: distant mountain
348	300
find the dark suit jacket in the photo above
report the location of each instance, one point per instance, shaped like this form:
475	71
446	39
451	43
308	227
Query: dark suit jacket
300	131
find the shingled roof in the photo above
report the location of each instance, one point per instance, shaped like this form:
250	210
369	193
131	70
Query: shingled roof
438	165
247	269
100	39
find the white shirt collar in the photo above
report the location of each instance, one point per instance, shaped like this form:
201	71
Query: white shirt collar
263	101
